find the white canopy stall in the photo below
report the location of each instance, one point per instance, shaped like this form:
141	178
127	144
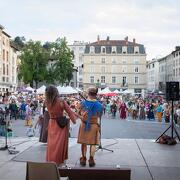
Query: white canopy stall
41	90
66	90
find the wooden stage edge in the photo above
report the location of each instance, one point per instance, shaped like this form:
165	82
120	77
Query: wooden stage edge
95	173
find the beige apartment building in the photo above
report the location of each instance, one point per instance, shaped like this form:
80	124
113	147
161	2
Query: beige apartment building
117	64
8	63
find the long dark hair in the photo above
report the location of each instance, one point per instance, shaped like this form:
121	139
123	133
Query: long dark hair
51	94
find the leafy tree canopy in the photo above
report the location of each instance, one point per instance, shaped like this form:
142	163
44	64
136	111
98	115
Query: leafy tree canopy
34	60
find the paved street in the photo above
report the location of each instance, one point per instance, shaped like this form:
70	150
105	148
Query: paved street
131	141
111	128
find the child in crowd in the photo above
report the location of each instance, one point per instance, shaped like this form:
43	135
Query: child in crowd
30	131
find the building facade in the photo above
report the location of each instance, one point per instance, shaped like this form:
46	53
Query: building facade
153	75
176	64
78	48
169	68
117	64
8	63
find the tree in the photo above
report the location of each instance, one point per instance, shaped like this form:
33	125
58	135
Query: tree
63	66
34	59
19	41
50	76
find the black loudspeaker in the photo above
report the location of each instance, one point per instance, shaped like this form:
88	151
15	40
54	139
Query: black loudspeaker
172	91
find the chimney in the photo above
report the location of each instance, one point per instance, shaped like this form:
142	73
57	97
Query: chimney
134	41
107	38
1	27
126	38
98	39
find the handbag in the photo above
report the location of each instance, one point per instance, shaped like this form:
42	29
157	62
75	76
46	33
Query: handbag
62	121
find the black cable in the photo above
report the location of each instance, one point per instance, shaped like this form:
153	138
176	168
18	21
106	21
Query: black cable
144	160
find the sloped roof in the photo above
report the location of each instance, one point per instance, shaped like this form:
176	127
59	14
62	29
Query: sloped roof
113	43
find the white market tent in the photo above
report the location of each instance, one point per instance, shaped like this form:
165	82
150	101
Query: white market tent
117	91
79	90
126	92
105	91
30	89
66	90
41	90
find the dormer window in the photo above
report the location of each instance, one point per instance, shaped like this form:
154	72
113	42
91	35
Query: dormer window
91	49
124	49
113	49
103	49
136	49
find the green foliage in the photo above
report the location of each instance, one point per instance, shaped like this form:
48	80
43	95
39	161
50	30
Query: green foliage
34	60
19	41
63	56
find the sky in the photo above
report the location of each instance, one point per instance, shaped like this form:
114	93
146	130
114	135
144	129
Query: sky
153	23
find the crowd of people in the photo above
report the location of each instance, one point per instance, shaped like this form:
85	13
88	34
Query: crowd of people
140	108
47	109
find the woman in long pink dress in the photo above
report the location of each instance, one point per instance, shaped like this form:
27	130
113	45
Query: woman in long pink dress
57	144
122	110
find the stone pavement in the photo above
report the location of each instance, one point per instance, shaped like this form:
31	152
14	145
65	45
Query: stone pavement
148	160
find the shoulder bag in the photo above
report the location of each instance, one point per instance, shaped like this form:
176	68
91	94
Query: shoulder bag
62	121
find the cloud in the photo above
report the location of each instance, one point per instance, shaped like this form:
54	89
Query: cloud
153	23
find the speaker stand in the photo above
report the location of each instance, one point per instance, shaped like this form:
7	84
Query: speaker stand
172	126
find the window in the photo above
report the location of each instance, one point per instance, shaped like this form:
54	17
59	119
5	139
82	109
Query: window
136	69
80	59
124	69
7	55
103	69
80	48
7	69
7	79
103	49
92	61
3	54
91	79
124	80
113	79
113	49
103	60
136	79
113	61
80	70
153	65
7	42
3	79
13	60
176	71
92	69
91	49
136	61
124	61
4	69
3	41
103	79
